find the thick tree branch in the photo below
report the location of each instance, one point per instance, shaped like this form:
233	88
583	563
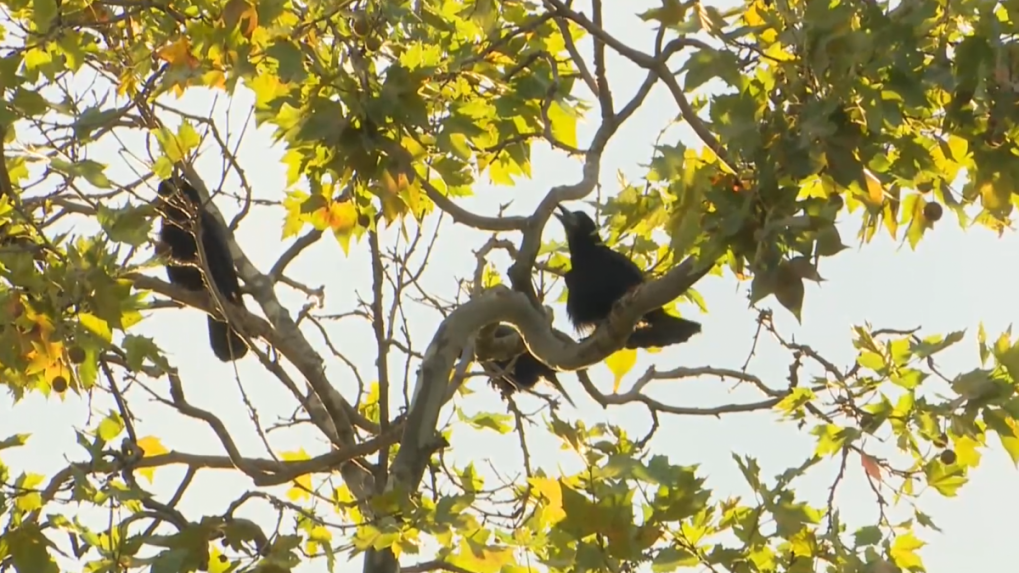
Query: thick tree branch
338	427
500	304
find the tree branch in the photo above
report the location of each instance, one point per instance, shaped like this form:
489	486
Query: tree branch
500	304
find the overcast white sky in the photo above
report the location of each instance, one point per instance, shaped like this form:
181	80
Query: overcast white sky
952	282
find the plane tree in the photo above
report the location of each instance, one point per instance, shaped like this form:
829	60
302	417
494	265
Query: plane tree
395	120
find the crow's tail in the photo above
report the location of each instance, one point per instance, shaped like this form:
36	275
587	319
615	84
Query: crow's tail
554	381
226	344
526	373
662	330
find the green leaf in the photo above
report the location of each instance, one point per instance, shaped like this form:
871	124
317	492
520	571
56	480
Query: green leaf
831	438
488	420
30	103
982	344
908	378
789	290
28	548
868	535
169	561
708	63
43	14
129	224
912	211
290	61
792	517
1010	360
925	520
946	479
934	344
829	242
974	385
581	514
670	14
139	348
90	170
672	558
14	441
796	399
92	119
1007	429
872	360
418	55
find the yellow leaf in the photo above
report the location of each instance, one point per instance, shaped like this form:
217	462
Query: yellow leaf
151	446
620	363
128	84
130	318
875	192
564	124
30	501
966	451
490	277
214	79
345	505
45	325
903	552
995	195
294	220
553	492
480	558
41	358
342	217
752	17
110	427
777	52
302	483
178	53
369	406
959	148
188	137
217	565
168	141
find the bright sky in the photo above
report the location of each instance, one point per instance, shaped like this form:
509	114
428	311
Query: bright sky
888	285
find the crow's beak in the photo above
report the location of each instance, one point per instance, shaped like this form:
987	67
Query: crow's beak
565	217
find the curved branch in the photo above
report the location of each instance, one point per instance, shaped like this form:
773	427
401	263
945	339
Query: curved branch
275	473
501	304
292	252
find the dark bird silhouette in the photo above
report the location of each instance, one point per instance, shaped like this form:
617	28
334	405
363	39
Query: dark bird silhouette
524	373
599	276
183	267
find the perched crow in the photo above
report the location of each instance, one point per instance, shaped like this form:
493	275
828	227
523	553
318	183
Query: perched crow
599	276
525	373
179	243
